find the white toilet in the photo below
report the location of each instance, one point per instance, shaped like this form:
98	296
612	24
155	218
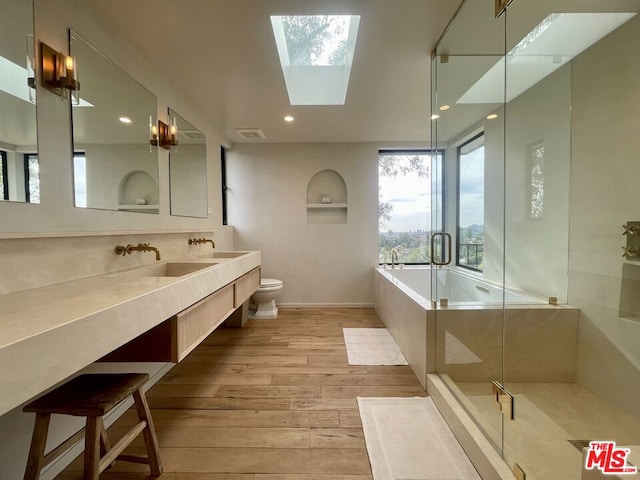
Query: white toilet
264	298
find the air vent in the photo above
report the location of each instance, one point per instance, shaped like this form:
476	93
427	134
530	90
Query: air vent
251	133
192	134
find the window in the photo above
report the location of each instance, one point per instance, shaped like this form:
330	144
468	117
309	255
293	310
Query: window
4	179
470	238
32	178
536	182
223	174
80	179
404	208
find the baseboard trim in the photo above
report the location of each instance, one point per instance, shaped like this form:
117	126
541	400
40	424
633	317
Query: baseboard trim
325	305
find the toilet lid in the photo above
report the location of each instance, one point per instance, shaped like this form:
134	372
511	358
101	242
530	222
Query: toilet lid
270	282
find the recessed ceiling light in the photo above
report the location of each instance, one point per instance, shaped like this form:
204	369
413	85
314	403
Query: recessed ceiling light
445	107
289	118
492	116
126	120
435	117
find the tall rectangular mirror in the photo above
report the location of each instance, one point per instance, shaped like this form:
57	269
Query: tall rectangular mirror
19	165
188	170
114	166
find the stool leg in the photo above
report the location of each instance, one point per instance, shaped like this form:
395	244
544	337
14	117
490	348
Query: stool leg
149	432
105	444
92	448
38	442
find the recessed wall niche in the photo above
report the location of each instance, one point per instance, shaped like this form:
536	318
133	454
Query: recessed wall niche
326	198
138	192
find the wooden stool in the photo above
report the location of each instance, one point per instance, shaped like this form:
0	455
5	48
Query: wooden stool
92	396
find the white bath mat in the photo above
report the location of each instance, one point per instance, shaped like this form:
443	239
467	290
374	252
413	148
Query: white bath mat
372	346
407	438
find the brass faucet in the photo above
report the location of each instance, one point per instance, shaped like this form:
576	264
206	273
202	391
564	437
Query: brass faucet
394	257
141	247
195	241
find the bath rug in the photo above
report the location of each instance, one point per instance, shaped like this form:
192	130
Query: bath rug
407	438
372	346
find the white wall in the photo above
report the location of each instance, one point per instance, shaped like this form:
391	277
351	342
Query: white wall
320	263
605	195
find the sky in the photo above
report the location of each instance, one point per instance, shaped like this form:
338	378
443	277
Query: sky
411	199
411	196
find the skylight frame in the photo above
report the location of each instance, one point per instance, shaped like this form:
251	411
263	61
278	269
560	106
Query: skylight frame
316	84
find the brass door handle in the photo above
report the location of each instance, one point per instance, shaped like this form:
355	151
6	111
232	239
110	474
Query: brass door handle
447	249
504	400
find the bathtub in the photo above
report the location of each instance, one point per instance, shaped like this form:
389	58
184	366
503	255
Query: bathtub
458	287
528	340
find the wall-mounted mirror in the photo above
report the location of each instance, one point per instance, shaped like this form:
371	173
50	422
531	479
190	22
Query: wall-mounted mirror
114	166
19	166
188	170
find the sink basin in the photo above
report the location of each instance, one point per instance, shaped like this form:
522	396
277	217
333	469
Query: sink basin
175	269
225	254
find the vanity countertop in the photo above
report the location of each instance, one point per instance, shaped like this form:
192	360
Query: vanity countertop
52	332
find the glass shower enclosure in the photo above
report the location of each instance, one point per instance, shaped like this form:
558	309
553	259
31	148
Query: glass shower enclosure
536	275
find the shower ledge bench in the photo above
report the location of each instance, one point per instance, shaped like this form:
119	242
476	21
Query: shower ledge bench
47	334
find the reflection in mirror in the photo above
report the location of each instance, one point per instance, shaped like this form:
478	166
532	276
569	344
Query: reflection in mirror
19	166
114	166
188	170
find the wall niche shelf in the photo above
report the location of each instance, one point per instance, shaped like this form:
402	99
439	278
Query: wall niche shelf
327	184
138	207
326	205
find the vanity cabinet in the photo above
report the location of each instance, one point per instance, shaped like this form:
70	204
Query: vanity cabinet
193	325
245	286
174	339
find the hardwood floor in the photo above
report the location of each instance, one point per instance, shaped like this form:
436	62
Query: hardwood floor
274	400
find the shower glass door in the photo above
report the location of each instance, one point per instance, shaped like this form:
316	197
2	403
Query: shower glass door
571	337
467	296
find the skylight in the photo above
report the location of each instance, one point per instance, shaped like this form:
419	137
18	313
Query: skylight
316	53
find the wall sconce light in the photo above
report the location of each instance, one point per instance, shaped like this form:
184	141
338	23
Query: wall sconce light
163	135
58	72
153	133
173	130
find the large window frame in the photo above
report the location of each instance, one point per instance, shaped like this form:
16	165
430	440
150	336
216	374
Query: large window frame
463	250
440	153
223	175
31	190
5	175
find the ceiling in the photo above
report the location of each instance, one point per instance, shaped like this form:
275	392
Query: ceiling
221	55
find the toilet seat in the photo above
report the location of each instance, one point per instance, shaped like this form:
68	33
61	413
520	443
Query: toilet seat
267	284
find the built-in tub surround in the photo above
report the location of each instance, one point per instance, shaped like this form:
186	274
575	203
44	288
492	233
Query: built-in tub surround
92	317
466	341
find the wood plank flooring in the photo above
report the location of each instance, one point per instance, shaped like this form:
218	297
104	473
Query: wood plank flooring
274	400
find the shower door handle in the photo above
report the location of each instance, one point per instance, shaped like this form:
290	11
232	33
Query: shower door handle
447	249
